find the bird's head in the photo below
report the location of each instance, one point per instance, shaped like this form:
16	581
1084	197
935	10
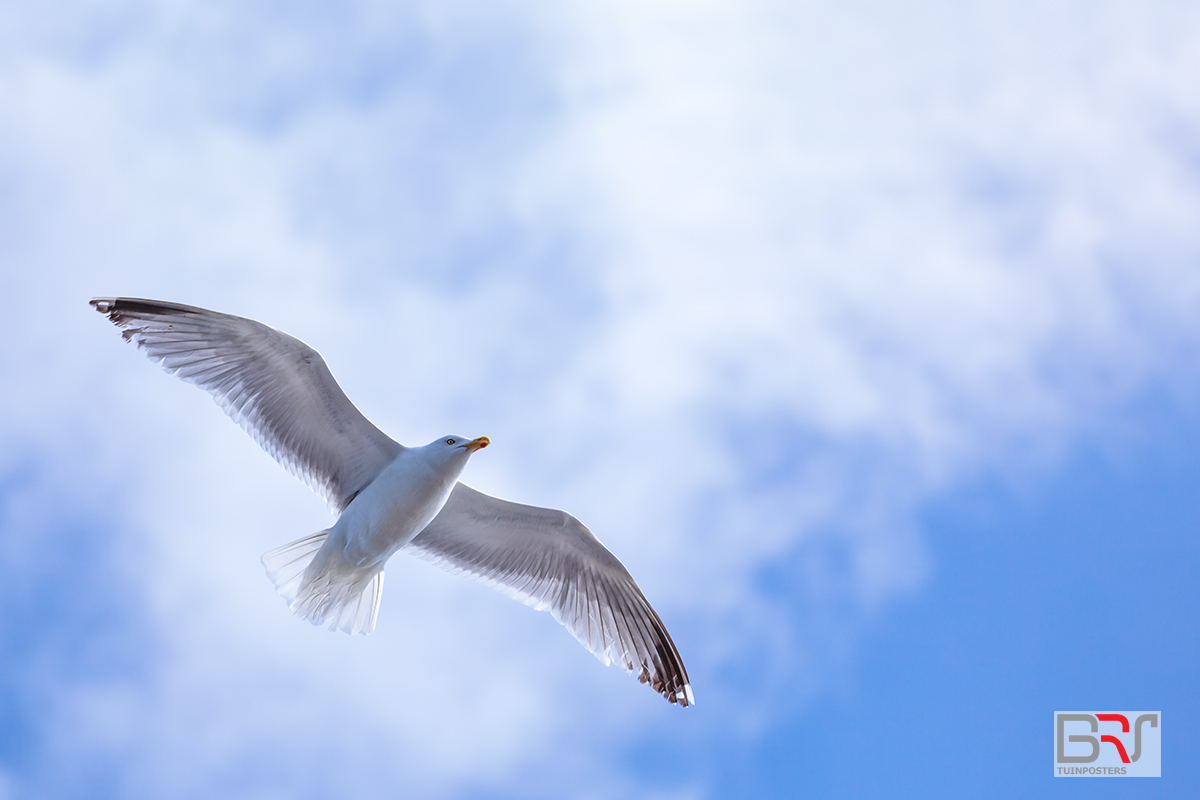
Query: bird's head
453	446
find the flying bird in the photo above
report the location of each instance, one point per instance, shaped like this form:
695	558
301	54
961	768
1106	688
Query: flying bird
394	498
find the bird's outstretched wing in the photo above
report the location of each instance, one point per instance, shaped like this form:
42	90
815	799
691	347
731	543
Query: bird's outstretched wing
551	561
273	385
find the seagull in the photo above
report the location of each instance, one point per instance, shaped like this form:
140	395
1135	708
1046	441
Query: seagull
394	498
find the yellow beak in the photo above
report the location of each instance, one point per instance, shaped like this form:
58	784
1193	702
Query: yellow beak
476	444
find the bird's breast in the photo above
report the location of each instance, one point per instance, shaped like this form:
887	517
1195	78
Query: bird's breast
394	508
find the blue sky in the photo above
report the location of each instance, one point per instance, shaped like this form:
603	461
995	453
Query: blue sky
864	335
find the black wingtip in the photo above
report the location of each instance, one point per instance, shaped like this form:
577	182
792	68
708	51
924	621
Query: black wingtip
120	310
139	305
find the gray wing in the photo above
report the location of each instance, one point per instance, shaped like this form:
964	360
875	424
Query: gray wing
273	385
551	561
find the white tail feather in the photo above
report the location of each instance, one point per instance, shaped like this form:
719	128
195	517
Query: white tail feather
285	565
326	591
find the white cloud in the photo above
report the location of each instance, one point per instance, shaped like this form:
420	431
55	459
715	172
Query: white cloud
727	281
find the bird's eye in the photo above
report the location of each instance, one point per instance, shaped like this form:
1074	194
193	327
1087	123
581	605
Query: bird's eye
449	441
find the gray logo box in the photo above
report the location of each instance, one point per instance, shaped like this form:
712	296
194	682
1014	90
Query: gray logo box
1107	744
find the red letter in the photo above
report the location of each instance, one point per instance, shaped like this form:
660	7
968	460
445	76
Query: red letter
1115	718
1117	742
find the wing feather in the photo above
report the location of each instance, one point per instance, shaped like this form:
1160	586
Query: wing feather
551	561
273	385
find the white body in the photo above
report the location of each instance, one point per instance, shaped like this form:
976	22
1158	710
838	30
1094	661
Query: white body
336	576
393	509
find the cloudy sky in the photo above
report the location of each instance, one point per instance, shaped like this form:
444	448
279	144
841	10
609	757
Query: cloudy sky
866	334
